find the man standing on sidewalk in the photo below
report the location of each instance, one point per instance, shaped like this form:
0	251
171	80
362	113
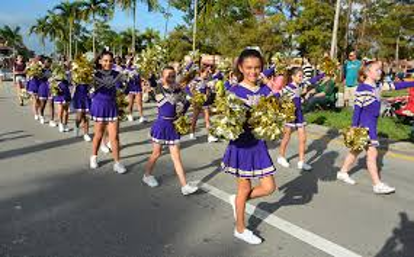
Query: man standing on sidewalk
351	69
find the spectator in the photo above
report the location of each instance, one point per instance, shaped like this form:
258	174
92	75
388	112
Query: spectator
322	95
351	69
307	69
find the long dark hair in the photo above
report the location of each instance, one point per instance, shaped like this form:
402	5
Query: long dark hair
98	66
247	53
292	72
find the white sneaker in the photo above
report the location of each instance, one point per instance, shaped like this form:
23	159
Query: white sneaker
36	117
232	199
61	128
150	181
42	120
343	176
212	139
142	119
188	189
130	118
93	162
104	148
192	136
76	132
304	166
283	162
66	128
52	124
382	188
119	168
248	237
87	138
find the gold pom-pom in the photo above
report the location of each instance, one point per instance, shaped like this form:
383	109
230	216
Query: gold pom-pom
58	74
182	125
34	70
198	99
122	104
287	109
357	139
280	62
82	71
228	123
328	66
267	119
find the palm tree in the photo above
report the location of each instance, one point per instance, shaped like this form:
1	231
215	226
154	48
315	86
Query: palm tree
58	30
41	29
70	11
131	5
94	9
12	37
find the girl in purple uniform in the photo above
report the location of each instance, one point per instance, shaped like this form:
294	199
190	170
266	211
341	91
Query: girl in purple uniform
366	112
134	91
62	100
32	88
81	103
248	158
45	96
293	91
170	102
104	110
201	84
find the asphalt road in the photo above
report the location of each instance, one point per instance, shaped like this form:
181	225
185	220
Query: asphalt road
51	204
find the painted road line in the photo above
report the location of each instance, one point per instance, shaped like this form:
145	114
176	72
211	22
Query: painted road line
303	235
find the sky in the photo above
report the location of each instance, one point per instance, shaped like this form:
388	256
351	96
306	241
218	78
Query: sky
23	13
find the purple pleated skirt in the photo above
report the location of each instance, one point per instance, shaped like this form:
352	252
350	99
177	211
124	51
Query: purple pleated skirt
163	132
104	110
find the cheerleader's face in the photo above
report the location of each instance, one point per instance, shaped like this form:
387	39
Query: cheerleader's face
106	62
375	71
168	77
298	77
251	68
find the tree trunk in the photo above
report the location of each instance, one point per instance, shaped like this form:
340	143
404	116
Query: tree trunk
94	35
335	30
348	19
134	17
70	39
397	49
195	25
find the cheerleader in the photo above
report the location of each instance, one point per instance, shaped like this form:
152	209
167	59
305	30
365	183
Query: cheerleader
134	92
62	100
293	91
104	110
32	88
200	84
45	94
81	103
247	157
366	112
170	101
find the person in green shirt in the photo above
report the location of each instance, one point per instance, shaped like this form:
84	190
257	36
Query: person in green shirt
323	95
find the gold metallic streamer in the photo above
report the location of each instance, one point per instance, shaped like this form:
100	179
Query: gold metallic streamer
34	70
355	138
82	71
122	104
182	125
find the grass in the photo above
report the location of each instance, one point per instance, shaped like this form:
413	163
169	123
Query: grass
388	127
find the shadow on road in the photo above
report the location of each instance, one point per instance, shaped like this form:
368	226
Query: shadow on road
302	189
401	243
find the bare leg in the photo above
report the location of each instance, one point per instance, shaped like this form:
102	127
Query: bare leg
372	154
156	153
138	99
113	134
196	112
99	129
285	141
178	164
302	143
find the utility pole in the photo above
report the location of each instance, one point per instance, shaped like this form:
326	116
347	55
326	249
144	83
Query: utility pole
335	30
195	25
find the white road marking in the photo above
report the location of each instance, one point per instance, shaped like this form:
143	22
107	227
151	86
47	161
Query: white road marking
303	235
